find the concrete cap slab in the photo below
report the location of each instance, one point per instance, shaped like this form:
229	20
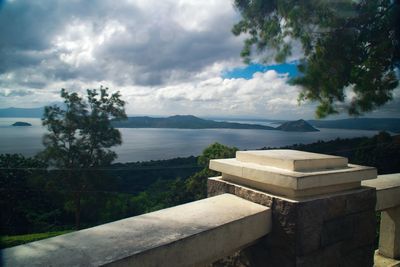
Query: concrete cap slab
292	173
387	190
292	160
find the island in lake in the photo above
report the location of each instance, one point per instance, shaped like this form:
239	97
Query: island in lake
297	126
193	122
21	123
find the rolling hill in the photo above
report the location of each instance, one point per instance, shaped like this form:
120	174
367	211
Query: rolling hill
184	122
296	126
378	124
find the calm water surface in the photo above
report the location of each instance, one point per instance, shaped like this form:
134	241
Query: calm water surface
151	144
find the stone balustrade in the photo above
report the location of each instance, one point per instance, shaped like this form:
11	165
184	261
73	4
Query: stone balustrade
187	235
272	208
321	215
388	202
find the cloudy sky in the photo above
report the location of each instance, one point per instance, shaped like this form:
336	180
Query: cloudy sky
166	57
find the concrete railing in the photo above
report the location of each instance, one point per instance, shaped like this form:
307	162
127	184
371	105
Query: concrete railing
187	235
276	208
388	202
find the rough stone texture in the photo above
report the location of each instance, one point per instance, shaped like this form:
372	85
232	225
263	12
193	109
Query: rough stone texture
337	230
330	230
361	201
216	187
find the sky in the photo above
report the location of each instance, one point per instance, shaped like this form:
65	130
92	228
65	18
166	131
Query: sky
165	57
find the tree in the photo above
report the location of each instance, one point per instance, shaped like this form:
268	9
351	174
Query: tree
23	207
196	185
80	137
347	46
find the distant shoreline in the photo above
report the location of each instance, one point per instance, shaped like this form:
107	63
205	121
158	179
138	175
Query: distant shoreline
369	124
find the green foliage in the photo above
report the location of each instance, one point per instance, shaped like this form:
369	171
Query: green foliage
166	193
80	137
34	199
10	241
135	177
196	185
348	46
23	207
381	151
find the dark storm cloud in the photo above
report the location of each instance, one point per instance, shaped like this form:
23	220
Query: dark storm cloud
153	47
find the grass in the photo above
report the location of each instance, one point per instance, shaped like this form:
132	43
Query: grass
15	240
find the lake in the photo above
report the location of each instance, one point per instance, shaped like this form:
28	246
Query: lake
142	144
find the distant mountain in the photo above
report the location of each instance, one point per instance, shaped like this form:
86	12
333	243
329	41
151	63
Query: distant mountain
296	126
21	123
379	124
184	122
21	112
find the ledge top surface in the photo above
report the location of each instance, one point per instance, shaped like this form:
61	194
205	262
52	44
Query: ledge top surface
292	160
296	170
147	238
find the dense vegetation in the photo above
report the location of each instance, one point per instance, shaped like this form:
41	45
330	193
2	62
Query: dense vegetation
79	139
36	199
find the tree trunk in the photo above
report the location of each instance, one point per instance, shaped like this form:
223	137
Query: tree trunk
77	210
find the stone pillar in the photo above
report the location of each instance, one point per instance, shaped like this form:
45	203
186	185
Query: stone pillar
389	234
321	216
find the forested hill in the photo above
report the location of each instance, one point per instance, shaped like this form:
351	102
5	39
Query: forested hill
297	126
40	200
378	124
184	122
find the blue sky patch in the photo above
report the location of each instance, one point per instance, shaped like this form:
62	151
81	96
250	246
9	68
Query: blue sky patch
248	71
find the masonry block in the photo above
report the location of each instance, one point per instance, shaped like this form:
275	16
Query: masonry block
328	230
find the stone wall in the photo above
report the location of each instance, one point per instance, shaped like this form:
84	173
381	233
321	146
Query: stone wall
330	230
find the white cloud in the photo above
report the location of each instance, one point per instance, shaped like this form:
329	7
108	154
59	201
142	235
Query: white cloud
77	43
267	93
166	57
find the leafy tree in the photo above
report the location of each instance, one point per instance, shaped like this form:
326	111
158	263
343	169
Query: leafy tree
166	193
23	207
348	46
80	137
196	185
381	151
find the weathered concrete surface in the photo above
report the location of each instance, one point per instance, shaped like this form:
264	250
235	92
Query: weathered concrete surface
292	173
292	160
336	229
389	233
388	190
388	201
292	179
195	233
381	261
290	192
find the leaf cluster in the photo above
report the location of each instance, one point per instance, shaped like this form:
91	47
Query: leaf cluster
351	48
81	134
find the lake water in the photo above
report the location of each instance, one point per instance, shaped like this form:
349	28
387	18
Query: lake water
152	144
